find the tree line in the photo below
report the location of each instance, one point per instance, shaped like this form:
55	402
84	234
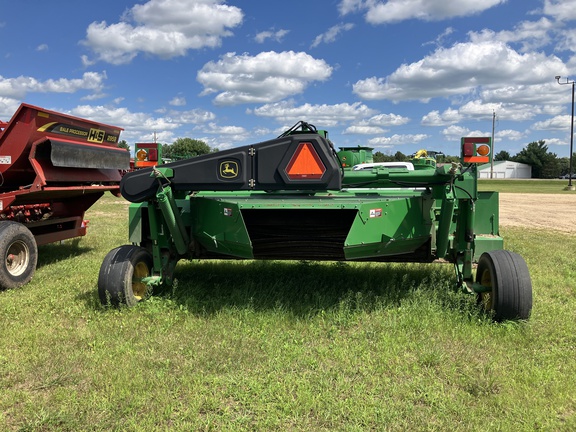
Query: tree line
544	163
182	148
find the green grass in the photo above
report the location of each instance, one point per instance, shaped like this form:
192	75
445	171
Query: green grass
293	346
525	186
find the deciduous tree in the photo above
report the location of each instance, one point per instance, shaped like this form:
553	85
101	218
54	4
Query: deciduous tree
123	144
184	148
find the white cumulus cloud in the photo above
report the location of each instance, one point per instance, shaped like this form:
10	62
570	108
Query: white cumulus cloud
435	118
325	115
558	123
332	34
267	77
459	70
163	28
562	10
275	35
20	86
397	139
380	12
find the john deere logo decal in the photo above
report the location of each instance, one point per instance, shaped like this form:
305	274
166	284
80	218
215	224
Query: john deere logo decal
229	169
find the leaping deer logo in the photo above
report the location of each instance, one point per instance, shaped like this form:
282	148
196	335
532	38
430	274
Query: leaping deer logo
229	169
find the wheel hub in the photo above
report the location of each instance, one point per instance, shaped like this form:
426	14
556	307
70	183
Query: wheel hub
17	258
138	287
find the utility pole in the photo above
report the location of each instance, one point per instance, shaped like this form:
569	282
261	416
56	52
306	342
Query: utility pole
492	158
570	186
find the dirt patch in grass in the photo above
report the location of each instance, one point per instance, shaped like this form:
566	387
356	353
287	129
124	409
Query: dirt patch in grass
542	211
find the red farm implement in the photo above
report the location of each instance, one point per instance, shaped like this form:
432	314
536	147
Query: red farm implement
53	167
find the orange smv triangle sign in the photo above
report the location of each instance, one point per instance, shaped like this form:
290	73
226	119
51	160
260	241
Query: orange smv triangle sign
305	163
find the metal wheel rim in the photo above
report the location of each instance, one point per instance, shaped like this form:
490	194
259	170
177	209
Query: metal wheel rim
139	288
17	258
487	298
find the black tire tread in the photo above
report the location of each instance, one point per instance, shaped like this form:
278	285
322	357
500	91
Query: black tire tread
115	276
512	286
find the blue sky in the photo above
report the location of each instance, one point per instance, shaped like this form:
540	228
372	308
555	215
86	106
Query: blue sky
396	75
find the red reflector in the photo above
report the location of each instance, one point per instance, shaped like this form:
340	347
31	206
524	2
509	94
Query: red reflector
152	155
468	149
305	163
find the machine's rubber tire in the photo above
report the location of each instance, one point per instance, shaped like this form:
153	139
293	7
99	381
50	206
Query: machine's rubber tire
19	254
119	280
507	274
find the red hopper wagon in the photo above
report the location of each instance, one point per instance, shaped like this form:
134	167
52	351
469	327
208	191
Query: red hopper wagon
53	167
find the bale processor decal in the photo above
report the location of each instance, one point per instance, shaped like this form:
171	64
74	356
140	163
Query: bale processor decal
92	135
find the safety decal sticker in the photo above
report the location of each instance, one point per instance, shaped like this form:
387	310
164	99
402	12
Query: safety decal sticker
374	213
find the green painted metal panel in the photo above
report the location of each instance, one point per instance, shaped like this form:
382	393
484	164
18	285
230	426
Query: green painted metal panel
145	225
487	213
218	226
386	224
485	243
135	223
389	227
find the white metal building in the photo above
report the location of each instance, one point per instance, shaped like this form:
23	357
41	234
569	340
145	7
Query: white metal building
505	170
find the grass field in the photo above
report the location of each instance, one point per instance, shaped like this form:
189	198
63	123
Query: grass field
526	186
290	346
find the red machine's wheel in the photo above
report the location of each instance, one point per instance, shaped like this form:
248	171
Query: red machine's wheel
121	274
507	276
19	255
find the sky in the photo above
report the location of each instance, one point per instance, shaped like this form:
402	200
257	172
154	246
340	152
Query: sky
396	75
